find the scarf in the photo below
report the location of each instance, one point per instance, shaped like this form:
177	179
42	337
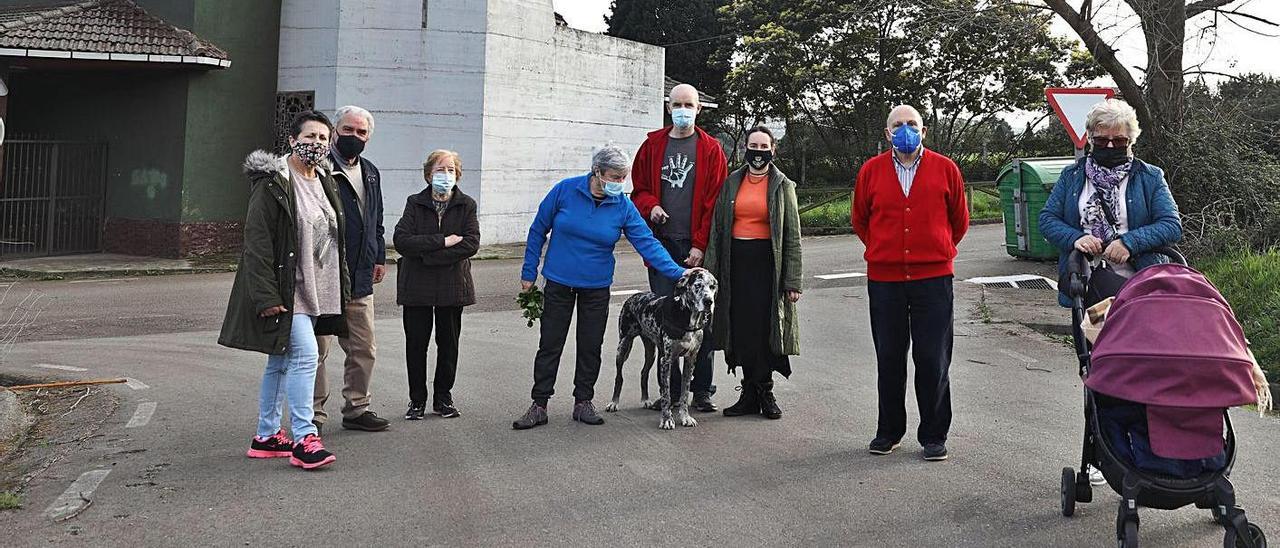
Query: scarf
1105	182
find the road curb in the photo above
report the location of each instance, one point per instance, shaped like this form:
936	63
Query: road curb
13	420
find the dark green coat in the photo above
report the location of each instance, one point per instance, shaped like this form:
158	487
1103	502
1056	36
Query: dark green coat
784	226
266	274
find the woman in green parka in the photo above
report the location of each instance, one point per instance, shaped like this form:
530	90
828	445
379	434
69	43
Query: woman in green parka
754	251
292	285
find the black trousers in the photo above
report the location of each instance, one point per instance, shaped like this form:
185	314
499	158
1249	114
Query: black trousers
417	333
915	315
702	369
557	312
751	305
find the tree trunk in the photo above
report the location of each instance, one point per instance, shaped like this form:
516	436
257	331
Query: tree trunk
1164	26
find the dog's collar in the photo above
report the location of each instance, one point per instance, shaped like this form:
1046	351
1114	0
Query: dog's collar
671	324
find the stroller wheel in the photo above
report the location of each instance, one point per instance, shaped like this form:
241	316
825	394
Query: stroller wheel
1130	539
1259	540
1068	492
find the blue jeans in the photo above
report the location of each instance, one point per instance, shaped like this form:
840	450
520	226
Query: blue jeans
292	375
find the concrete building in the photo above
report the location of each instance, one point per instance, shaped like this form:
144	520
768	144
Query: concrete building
524	101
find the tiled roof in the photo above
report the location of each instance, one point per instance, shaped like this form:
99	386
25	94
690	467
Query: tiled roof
98	26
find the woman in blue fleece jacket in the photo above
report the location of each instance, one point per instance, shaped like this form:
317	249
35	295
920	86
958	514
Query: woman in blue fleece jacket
582	217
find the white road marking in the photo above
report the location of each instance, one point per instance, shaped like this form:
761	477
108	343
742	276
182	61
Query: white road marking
59	367
135	383
143	415
1022	357
76	497
624	293
107	280
840	276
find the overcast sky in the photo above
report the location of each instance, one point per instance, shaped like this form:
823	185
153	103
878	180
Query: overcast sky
1236	51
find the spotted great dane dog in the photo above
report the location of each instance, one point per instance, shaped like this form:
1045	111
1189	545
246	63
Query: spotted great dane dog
673	326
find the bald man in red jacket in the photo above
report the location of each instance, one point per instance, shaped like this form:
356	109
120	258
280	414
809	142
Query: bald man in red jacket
676	178
909	210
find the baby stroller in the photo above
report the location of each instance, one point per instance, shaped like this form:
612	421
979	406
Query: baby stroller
1152	346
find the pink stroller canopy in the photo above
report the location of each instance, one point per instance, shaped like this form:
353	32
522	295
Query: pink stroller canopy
1171	342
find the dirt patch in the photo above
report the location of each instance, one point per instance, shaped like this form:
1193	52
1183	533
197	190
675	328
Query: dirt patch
63	421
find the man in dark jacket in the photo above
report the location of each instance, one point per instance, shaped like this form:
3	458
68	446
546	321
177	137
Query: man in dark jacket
677	176
359	186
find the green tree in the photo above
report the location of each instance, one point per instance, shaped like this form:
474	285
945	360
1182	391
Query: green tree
690	30
837	67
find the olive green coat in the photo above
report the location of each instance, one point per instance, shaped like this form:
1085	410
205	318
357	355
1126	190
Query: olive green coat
265	277
784	225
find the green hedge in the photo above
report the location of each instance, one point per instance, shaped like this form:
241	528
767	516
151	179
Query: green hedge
1251	283
836	214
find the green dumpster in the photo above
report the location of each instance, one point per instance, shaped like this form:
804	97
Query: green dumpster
1024	186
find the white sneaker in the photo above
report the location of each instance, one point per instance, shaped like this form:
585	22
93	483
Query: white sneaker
1095	476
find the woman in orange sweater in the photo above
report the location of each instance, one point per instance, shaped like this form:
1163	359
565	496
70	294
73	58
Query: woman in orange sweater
754	251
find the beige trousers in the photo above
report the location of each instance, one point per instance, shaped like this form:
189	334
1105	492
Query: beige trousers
357	370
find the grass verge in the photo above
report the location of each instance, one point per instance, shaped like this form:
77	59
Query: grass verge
1251	283
836	214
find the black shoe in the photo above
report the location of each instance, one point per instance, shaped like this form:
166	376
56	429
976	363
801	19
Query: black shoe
585	412
935	451
702	403
367	421
445	410
535	416
882	446
416	411
747	402
768	404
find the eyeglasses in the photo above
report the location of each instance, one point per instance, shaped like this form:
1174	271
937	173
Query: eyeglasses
1110	142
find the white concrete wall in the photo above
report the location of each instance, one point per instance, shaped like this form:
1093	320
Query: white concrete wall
523	101
552	96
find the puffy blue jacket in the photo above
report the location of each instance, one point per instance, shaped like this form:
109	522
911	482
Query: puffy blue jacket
366	245
1151	213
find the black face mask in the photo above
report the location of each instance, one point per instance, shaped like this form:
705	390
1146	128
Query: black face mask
1110	158
349	146
757	159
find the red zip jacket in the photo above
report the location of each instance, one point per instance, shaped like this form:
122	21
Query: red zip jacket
646	180
910	237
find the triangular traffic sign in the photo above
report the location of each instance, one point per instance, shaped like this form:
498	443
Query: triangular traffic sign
1073	104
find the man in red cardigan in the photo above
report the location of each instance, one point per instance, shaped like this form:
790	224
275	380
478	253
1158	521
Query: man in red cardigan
909	211
676	178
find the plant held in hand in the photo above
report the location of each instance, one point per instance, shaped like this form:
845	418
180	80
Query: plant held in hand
531	302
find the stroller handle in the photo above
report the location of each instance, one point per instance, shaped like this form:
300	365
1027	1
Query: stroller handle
1078	267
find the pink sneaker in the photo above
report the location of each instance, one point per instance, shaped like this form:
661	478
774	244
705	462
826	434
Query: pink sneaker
278	445
310	454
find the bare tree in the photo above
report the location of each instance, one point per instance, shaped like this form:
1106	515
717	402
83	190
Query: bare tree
1159	97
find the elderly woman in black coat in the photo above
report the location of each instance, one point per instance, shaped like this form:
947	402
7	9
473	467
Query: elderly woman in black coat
436	238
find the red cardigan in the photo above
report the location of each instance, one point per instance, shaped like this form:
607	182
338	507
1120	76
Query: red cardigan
646	180
909	237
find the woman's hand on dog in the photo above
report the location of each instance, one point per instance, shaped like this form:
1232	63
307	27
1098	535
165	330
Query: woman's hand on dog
793	295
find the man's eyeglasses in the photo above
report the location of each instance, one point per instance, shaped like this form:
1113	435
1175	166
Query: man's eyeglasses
1115	142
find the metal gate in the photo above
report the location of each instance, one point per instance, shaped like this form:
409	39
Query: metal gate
52	196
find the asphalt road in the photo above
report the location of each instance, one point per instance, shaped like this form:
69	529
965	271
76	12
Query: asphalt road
182	478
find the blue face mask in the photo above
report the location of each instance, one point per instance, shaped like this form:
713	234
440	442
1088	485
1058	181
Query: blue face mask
442	183
906	139
612	189
683	117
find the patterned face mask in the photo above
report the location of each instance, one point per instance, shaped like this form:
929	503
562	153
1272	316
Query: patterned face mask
310	153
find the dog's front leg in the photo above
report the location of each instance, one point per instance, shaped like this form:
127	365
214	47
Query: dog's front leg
686	398
666	356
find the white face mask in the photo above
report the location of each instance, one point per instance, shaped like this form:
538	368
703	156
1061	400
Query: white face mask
683	117
442	182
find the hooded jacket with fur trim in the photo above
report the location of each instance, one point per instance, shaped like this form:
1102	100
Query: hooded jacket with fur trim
265	277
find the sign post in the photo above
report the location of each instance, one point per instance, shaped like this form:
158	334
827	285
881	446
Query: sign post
1072	105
